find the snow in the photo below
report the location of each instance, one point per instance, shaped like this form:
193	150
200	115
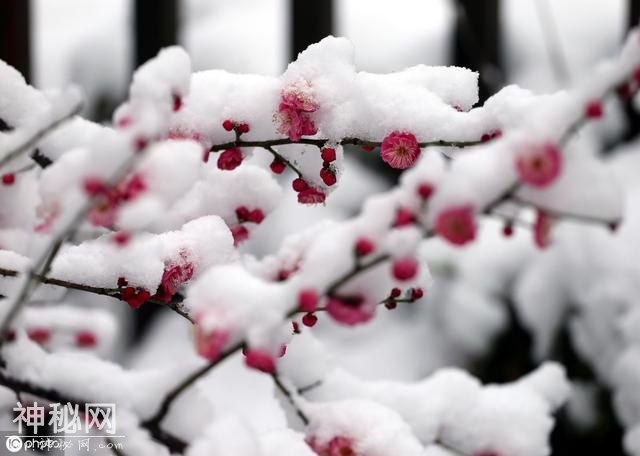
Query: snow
66	322
206	241
450	407
372	428
19	100
96	382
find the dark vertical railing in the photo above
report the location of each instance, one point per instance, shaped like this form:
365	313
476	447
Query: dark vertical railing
633	118
634	13
311	20
15	35
155	27
476	42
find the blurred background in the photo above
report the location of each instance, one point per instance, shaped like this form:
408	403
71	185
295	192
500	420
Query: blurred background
541	45
538	44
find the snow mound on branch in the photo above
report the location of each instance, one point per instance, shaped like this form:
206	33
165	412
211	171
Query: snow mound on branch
163	77
232	436
66	323
452	407
371	428
221	193
86	378
19	102
430	102
205	241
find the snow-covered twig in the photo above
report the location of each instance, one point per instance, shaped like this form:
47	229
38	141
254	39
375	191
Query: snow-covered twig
322	142
165	405
174	304
33	139
564	214
42	264
290	398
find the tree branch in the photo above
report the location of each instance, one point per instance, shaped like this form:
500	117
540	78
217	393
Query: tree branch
49	252
27	286
322	142
196	375
165	405
290	398
560	213
175	304
357	269
38	135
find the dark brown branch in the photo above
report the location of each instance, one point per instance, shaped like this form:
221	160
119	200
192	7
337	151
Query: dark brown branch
38	135
321	143
40	159
186	383
449	448
287	394
26	288
310	387
175	304
357	269
559	213
284	160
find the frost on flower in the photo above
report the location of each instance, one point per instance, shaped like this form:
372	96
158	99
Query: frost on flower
293	115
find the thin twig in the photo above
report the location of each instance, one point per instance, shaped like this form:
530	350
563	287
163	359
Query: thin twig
357	269
39	134
284	160
165	405
558	213
175	304
450	449
49	253
290	398
28	284
310	387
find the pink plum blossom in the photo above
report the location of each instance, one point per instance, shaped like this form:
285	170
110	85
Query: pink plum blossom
539	166
456	225
400	150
